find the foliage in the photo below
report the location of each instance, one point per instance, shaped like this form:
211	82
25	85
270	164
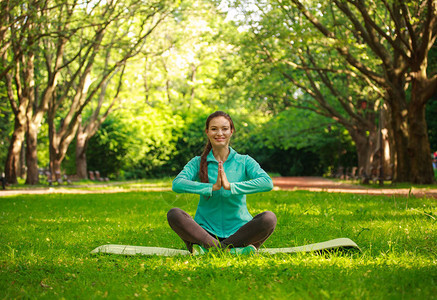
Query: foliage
190	141
329	57
195	75
43	150
134	145
6	125
181	66
196	62
121	149
46	240
107	148
297	78
297	143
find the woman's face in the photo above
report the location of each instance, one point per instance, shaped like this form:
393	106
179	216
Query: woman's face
219	132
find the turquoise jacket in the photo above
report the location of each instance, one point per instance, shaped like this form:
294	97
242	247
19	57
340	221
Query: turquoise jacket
223	212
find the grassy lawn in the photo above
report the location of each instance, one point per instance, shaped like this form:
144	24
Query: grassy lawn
46	240
140	184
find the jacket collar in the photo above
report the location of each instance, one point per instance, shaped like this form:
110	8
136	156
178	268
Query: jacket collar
211	158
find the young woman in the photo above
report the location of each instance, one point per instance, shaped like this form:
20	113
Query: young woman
222	178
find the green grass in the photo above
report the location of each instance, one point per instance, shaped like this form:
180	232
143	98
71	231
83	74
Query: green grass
87	184
387	184
46	240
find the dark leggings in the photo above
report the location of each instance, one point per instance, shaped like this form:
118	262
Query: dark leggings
254	232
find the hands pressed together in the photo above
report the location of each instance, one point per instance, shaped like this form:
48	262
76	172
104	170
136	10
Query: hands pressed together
222	180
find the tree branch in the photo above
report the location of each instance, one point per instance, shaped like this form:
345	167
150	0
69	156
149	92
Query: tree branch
370	28
342	50
398	25
361	6
346	104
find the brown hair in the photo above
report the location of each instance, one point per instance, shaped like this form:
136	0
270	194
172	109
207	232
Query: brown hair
203	170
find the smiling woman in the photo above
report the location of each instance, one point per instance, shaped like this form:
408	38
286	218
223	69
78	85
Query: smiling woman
219	132
222	219
219	129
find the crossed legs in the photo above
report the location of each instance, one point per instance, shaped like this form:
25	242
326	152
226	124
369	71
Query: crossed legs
255	232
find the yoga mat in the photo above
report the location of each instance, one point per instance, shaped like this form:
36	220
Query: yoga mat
340	243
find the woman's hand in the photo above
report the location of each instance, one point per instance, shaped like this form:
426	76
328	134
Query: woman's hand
222	180
218	184
225	183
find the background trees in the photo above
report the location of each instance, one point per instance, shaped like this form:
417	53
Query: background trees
125	86
61	57
356	51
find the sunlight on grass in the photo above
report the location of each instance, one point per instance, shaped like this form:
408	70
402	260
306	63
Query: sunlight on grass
387	184
141	184
46	240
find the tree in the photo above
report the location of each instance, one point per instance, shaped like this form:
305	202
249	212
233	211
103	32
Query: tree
19	35
191	52
288	70
384	44
431	107
117	35
6	126
88	128
64	43
401	40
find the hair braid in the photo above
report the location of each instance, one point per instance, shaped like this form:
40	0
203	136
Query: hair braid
203	170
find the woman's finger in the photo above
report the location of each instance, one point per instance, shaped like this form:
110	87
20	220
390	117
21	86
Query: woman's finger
224	179
219	173
218	184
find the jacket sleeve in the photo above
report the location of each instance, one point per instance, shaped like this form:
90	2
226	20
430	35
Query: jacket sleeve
259	180
187	180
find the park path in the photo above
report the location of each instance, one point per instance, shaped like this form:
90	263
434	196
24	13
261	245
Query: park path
320	184
315	184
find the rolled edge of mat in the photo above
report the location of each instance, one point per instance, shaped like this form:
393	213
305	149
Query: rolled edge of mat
331	244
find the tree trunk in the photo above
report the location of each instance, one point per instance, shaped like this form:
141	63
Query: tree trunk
81	145
364	154
387	145
17	139
396	101
22	162
31	154
58	144
400	145
11	166
55	159
53	147
382	157
55	169
411	143
419	149
366	148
